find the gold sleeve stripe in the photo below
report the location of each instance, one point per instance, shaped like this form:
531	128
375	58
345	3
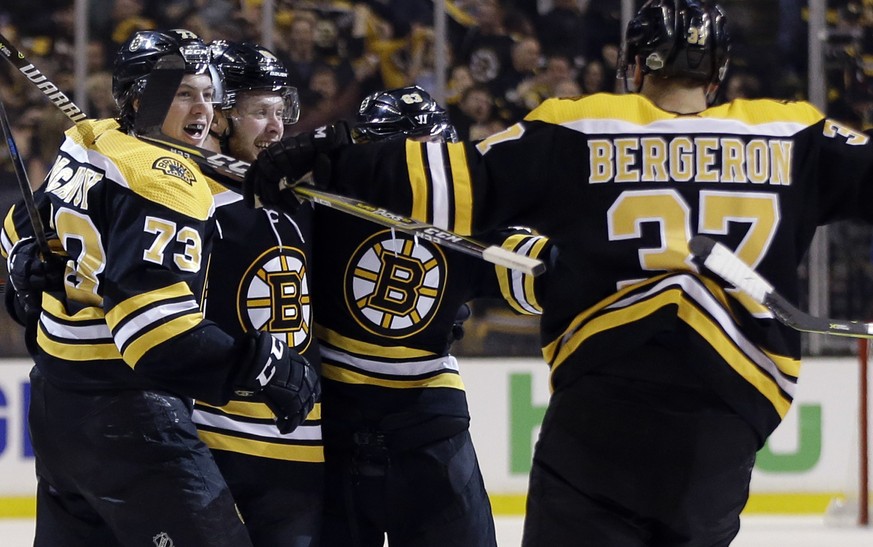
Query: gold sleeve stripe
358	347
339	374
56	308
249	409
787	365
275	451
135	304
76	352
528	281
10	234
505	275
418	179
462	186
134	351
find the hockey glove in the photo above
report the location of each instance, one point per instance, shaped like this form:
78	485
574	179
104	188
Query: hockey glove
280	166
30	275
282	377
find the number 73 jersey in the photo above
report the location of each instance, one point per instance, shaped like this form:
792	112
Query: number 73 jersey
619	186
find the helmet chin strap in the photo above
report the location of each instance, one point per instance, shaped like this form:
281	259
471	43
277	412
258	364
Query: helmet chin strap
223	138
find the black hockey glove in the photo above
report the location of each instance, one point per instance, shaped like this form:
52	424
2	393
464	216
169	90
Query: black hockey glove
30	275
280	166
282	377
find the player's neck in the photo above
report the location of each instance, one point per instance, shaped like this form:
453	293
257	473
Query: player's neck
675	98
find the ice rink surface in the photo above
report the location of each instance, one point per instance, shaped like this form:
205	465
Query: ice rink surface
756	531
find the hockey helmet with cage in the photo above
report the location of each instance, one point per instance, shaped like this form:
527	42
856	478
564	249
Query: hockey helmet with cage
249	67
402	112
678	38
138	55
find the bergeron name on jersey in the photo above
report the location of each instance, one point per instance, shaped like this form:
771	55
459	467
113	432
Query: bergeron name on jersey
683	159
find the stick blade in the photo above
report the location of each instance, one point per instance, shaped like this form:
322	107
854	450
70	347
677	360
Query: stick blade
160	89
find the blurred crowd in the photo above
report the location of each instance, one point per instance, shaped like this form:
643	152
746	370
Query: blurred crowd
504	56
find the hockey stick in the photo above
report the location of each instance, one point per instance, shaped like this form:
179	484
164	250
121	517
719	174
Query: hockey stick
230	172
36	77
24	185
721	261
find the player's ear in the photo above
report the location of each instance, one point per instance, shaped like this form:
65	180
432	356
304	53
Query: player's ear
637	78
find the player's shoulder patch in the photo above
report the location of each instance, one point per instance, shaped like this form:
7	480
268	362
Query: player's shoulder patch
175	168
158	175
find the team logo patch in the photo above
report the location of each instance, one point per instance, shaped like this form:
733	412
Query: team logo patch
394	284
174	168
274	296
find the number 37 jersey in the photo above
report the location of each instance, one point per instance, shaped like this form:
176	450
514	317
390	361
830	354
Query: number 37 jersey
620	186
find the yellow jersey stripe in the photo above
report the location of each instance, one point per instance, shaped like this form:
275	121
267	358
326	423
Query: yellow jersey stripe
149	340
261	449
136	303
462	187
417	179
358	347
346	376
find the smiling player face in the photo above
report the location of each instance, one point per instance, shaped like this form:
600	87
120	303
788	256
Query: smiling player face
257	123
190	114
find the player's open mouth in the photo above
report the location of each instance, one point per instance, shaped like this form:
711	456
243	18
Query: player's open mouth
195	130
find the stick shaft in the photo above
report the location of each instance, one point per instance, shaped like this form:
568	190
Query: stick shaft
24	184
50	90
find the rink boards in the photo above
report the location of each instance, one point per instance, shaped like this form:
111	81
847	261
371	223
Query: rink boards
809	460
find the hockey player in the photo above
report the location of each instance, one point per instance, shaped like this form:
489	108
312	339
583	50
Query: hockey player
665	384
259	279
399	459
122	345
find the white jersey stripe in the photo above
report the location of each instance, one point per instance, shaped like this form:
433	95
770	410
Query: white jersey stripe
265	431
151	316
405	368
439	183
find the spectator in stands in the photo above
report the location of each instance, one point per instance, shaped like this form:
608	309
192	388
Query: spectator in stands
568	30
558	68
101	103
742	84
593	78
486	47
476	118
567	88
523	70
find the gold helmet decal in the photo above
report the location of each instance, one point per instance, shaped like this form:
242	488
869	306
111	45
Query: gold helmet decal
393	284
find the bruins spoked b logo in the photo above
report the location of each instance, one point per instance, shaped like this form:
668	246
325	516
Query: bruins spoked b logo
393	284
274	296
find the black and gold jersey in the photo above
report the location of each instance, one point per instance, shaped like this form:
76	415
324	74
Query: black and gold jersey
135	222
259	279
620	186
386	305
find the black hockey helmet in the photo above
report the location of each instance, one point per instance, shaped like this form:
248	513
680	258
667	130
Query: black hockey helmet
247	67
402	112
683	38
138	55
